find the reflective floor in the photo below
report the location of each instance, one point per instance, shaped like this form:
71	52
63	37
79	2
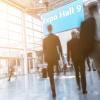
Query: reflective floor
32	87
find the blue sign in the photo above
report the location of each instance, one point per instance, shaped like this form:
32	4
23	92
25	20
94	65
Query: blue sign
64	18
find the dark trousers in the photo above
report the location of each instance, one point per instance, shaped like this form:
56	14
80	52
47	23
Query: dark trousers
51	77
57	67
80	73
88	63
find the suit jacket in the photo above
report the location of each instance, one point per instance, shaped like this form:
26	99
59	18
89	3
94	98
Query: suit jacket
52	48
87	35
73	50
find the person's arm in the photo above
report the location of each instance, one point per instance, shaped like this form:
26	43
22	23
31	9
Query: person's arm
44	51
68	53
60	48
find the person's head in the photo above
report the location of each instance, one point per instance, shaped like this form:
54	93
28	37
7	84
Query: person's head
74	34
49	28
93	9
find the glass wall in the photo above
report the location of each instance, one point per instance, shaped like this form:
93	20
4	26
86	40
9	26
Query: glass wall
20	34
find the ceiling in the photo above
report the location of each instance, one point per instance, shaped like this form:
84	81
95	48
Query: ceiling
37	7
40	3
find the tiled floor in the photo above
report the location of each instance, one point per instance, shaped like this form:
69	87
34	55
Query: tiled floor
32	87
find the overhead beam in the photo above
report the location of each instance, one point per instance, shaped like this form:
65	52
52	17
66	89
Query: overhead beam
14	4
21	7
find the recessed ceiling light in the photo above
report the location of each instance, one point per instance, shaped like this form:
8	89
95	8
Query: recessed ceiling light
40	1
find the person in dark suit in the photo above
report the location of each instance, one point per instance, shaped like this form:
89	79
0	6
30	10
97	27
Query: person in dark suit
91	44
94	12
74	53
87	35
52	50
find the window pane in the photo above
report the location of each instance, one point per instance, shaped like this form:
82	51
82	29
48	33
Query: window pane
14	19
29	39
30	46
37	21
3	15
28	24
38	34
3	42
15	36
37	27
3	24
2	6
14	11
15	27
4	52
14	53
29	32
3	67
28	18
3	33
37	47
15	44
37	40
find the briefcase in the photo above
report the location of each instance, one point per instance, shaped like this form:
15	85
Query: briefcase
44	73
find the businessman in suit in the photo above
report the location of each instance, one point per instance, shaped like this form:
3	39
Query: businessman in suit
52	50
91	43
74	53
87	35
94	9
